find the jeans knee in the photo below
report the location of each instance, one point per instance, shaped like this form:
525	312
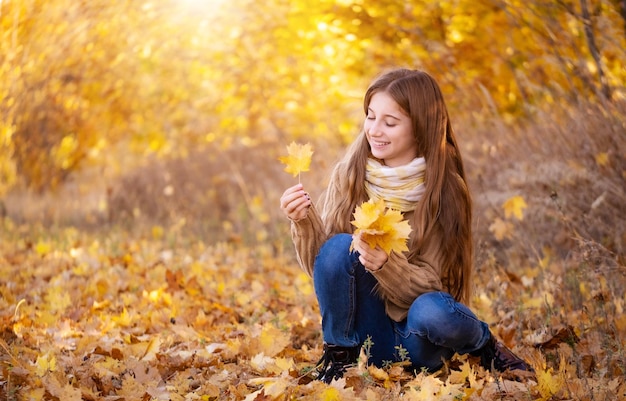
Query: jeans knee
334	257
428	310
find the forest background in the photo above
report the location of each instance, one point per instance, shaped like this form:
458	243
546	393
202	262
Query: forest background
142	251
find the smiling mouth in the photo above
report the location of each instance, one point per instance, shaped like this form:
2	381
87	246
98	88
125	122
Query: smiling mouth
380	144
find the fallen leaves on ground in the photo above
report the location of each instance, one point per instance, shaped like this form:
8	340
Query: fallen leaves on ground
108	316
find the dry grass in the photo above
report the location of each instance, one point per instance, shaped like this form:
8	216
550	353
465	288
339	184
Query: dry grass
562	270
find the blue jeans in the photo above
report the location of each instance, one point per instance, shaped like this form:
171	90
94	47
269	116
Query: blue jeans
435	328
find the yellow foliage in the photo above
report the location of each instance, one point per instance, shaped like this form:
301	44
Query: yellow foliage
62	391
602	159
466	374
259	209
132	389
298	159
99	316
8	170
330	394
283	365
151	349
46	363
377	373
273	387
260	362
426	388
64	153
158	297
157	232
379	226
514	207
303	284
43	248
35	394
123	319
58	299
548	384
273	340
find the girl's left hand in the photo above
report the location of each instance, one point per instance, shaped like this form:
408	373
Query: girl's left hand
371	258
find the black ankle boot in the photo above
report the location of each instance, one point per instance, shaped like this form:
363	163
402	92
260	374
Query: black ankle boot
495	355
335	361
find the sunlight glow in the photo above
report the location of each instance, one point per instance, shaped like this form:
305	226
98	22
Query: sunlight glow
200	4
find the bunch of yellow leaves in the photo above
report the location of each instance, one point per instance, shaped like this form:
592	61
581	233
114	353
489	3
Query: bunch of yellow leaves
298	158
379	226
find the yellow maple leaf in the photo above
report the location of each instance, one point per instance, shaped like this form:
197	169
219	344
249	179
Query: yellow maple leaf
282	365
379	226
298	158
43	248
151	349
377	373
60	390
330	394
46	363
368	213
123	319
602	159
548	383
271	340
157	232
514	207
273	387
260	362
425	388
461	376
57	299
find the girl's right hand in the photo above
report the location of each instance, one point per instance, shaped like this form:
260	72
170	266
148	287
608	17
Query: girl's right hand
295	202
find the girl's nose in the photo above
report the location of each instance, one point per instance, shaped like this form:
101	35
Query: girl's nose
374	129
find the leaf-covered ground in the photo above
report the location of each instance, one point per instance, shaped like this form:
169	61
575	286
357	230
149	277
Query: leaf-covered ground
110	316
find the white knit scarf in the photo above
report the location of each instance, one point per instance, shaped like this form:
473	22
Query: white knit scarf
400	187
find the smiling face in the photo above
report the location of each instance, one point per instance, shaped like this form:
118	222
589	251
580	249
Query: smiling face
389	131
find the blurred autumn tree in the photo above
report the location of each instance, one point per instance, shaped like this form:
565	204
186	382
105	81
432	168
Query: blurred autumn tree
108	83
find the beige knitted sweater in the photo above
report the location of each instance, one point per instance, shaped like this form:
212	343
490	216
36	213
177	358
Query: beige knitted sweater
400	281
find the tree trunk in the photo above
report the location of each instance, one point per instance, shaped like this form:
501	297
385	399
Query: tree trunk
593	48
622	11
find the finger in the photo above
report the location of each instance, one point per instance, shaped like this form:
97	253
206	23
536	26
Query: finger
364	244
300	214
297	203
357	244
302	208
292	190
365	249
363	261
297	210
287	200
369	264
295	188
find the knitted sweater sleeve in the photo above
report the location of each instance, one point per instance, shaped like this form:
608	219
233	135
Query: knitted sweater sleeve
308	235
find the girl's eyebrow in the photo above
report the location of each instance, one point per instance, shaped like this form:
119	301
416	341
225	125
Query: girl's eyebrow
386	115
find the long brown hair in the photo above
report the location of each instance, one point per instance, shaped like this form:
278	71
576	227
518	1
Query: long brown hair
446	203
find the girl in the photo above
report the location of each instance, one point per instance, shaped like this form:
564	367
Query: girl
407	305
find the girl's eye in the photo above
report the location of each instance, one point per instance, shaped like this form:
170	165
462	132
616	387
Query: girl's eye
370	117
390	125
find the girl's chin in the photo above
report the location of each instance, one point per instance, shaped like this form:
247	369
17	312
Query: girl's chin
378	153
